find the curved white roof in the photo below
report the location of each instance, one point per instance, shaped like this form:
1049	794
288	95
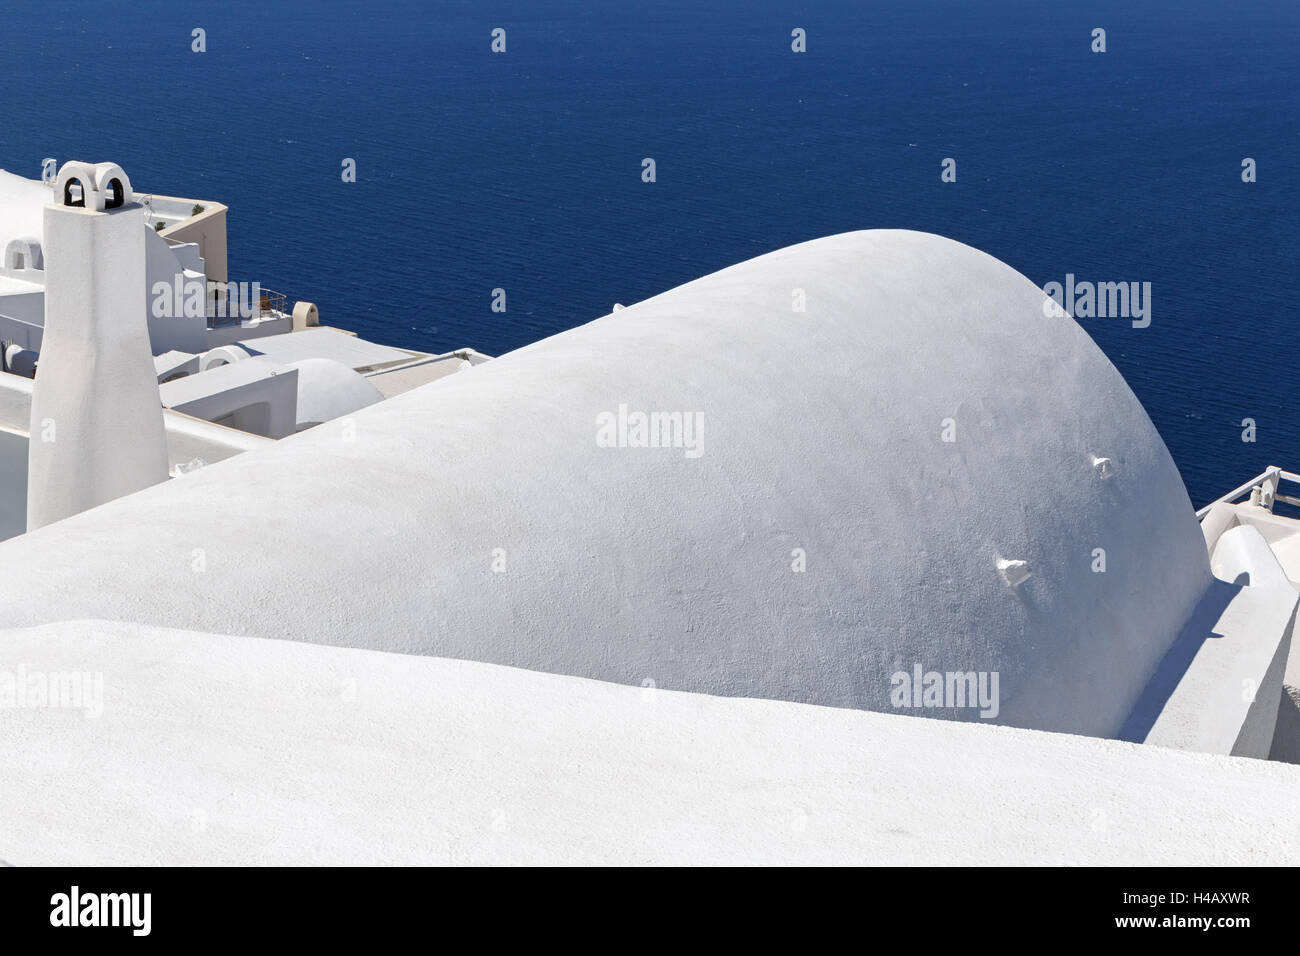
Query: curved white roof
478	517
329	390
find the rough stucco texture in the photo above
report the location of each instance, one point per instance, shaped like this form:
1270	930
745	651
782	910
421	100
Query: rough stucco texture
96	387
215	750
821	431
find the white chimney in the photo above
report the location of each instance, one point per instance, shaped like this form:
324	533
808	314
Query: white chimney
97	424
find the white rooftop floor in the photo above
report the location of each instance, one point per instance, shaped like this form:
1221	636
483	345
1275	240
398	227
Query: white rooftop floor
225	750
10	285
327	343
403	378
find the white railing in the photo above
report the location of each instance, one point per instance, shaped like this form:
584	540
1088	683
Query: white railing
1262	489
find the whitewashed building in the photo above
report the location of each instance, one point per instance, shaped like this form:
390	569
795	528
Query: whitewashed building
678	585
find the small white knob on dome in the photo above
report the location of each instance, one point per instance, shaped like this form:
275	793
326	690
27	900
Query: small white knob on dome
618	307
1014	573
1103	466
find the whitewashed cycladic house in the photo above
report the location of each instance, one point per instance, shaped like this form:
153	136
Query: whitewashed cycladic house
161	281
675	561
166	260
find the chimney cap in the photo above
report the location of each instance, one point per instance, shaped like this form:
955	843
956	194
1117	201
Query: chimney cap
104	186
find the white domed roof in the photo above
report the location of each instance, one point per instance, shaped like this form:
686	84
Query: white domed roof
328	389
484	517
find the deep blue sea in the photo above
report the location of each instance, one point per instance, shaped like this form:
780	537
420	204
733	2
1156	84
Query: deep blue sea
523	170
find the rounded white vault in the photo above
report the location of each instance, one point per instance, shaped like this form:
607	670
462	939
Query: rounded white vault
919	469
328	389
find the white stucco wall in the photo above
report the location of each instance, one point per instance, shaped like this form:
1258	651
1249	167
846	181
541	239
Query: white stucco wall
13	479
822	432
168	329
254	395
22	202
96	423
26	306
1244	555
1219	688
207	230
244	329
